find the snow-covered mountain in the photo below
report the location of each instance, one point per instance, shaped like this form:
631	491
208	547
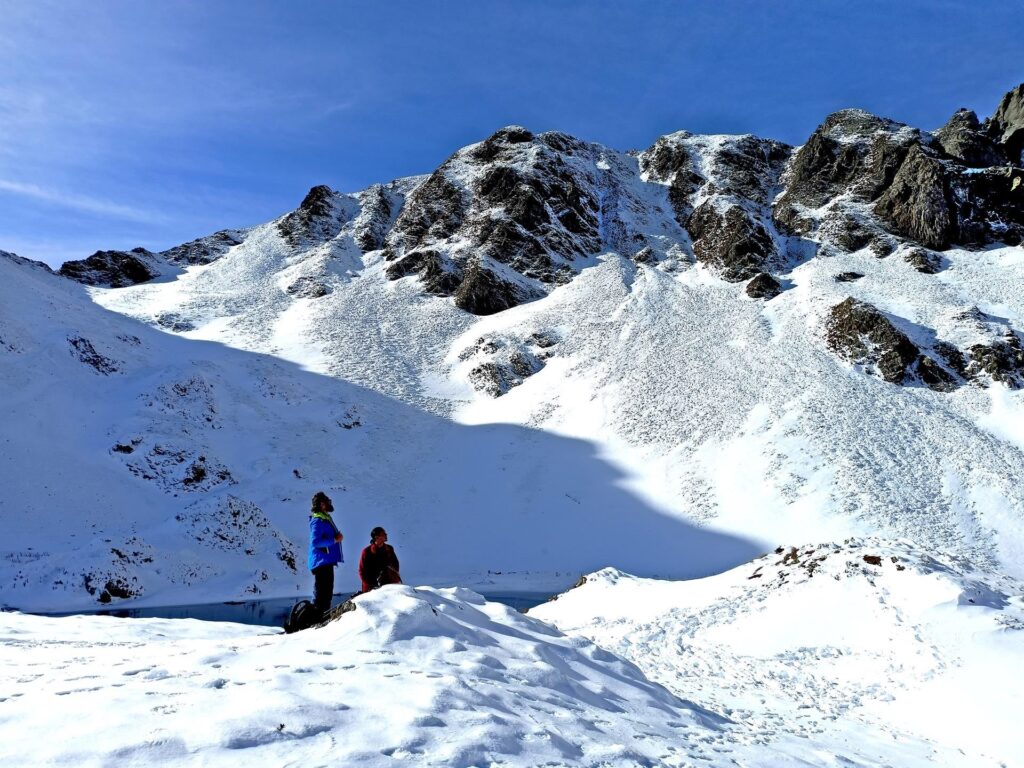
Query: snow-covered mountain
140	465
545	357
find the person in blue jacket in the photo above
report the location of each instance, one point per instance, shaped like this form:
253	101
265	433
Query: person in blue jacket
324	550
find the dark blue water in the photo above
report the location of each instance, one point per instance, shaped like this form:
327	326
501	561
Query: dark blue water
271	613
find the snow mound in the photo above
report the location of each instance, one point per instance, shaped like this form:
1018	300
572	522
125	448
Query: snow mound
414	676
875	651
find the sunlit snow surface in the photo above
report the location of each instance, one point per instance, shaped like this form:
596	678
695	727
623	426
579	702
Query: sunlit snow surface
858	654
412	677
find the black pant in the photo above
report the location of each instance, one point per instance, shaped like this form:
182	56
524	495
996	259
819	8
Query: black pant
323	587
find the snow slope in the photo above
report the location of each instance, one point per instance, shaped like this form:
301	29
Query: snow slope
862	653
168	470
714	407
418	677
865	654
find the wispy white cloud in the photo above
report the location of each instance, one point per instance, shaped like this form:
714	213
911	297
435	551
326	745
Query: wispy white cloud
78	202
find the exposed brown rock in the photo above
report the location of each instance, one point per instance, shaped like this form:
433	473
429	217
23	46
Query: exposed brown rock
1007	124
318	218
763	286
919	203
860	333
483	293
732	242
848	277
923	260
1002	360
111	269
964	139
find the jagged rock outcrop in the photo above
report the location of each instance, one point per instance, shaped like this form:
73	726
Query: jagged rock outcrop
318	218
935	190
964	139
720	191
440	276
112	269
729	240
482	292
673	162
859	333
1002	360
1007	125
763	286
508	219
204	250
119	269
852	152
378	209
499	221
919	202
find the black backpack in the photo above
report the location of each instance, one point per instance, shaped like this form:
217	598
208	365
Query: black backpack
302	616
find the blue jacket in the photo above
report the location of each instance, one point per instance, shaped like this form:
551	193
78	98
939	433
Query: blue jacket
322	549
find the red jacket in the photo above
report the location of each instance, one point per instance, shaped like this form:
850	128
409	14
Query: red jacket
378	567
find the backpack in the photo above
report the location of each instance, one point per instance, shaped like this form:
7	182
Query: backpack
303	615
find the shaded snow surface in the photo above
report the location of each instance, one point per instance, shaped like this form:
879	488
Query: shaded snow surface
165	470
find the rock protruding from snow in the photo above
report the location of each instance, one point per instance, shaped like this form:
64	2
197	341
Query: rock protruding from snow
728	239
204	250
1002	359
120	269
720	189
500	363
112	269
852	152
861	334
859	177
501	222
319	217
763	286
378	209
919	203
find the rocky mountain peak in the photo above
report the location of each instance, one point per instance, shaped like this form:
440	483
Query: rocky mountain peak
319	217
964	139
1007	124
506	220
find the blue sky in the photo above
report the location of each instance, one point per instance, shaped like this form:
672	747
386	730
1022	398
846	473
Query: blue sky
150	123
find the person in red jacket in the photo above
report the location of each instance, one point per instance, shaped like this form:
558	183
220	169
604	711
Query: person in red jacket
378	565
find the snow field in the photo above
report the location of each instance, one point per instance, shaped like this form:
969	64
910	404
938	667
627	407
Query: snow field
915	660
411	677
